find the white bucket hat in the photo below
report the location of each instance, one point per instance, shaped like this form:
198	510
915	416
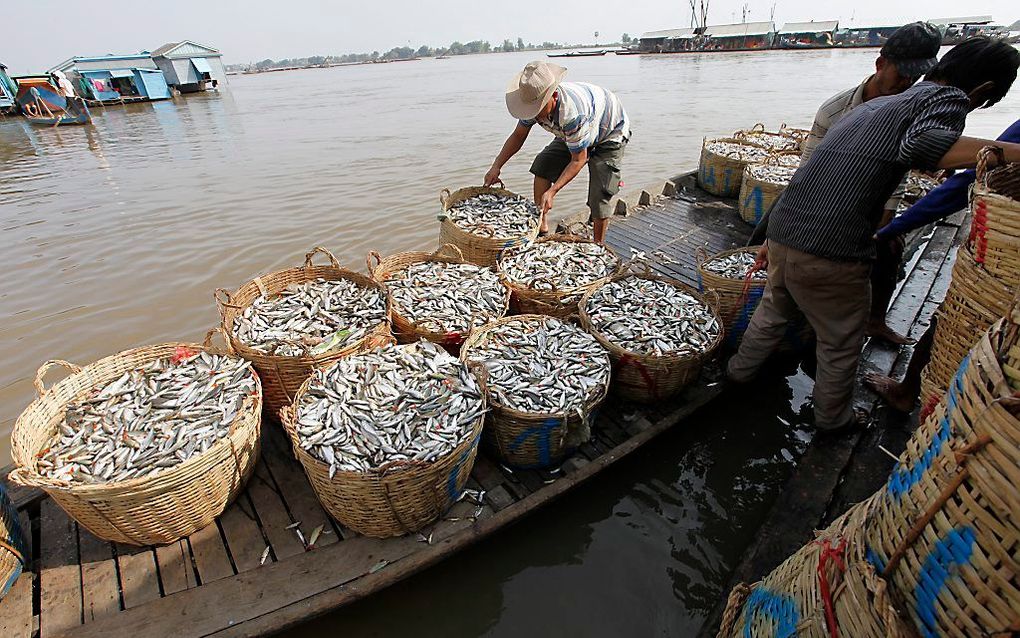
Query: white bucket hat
532	88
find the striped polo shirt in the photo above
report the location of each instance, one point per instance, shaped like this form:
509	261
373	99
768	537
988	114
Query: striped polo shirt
834	201
585	116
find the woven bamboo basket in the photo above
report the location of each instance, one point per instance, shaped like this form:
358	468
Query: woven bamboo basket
758	195
721	175
283	375
404	329
400	498
530	440
799	134
974	301
647	378
945	531
148	510
995	225
13	557
738	298
774	141
825	589
557	302
478	249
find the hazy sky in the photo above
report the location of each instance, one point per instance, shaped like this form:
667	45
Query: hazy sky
42	33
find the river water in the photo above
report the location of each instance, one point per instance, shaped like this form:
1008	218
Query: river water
115	235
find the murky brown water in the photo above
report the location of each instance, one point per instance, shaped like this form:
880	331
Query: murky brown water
116	235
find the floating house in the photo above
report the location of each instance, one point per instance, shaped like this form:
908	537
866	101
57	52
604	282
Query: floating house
190	67
864	36
667	40
7	89
956	30
807	35
739	37
116	78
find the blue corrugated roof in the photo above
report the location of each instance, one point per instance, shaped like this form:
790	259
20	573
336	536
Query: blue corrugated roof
101	58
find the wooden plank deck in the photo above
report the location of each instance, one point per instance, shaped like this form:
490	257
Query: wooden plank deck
214	582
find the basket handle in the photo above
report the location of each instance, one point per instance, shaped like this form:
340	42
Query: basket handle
758	128
632	266
26	477
224	299
444	197
713	298
490	229
207	342
44	368
325	251
700	255
451	251
378	341
305	349
981	171
372	254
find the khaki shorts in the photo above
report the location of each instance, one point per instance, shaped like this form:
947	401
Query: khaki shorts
604	161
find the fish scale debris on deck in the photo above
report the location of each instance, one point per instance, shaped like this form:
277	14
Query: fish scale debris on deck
647	316
734	266
395	403
489	215
318	315
541	366
447	297
563	265
149	419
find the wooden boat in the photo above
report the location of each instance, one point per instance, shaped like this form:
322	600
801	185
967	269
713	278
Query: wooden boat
42	105
577	54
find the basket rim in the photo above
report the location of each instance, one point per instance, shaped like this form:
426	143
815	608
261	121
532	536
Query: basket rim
453	198
252	403
707	274
288	417
664	359
565	238
229	311
477	336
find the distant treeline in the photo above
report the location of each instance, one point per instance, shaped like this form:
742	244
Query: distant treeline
406	53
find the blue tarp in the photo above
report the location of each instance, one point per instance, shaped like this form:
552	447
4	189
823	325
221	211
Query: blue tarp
153	83
203	68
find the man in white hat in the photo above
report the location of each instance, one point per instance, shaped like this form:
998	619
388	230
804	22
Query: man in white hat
590	127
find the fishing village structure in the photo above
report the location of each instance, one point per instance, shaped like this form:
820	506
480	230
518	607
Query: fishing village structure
189	66
116	78
7	89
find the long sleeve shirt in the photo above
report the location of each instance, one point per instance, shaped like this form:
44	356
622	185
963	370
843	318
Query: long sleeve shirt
943	200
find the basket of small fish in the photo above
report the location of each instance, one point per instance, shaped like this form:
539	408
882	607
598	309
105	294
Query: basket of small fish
799	134
13	552
292	321
543	379
146	446
484	221
388	437
729	274
775	142
438	296
550	275
721	168
658	331
763	183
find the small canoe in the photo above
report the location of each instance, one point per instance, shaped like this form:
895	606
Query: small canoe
577	54
82	117
55	110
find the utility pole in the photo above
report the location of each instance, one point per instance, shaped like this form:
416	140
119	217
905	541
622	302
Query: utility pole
745	10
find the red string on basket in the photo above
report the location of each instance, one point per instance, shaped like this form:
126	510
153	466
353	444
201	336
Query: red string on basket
834	554
928	407
978	230
452	338
181	353
627	360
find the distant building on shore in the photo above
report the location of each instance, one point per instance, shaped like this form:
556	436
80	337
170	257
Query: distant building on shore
189	66
115	78
799	35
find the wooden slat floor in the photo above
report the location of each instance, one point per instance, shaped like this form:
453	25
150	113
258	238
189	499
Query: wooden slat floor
213	583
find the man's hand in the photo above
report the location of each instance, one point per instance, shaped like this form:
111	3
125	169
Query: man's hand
492	177
547	201
761	259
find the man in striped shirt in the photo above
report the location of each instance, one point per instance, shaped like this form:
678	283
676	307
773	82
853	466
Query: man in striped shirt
821	234
590	127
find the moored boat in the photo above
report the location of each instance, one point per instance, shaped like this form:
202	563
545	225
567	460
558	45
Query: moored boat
44	106
577	54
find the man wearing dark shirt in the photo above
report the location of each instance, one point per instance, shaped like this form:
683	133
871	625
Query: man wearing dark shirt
821	234
945	199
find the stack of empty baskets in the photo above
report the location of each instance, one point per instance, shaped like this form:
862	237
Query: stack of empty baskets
986	272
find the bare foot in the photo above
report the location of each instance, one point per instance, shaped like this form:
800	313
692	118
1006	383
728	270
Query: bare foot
881	330
894	393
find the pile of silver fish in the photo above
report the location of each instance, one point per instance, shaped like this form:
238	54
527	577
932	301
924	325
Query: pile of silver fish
320	315
447	297
541	366
772	173
652	317
395	403
917	185
564	265
735	150
149	419
772	141
734	266
489	215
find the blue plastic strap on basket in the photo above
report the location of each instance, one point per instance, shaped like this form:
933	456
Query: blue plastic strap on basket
902	479
451	481
542	433
779	608
744	315
951	551
14	538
